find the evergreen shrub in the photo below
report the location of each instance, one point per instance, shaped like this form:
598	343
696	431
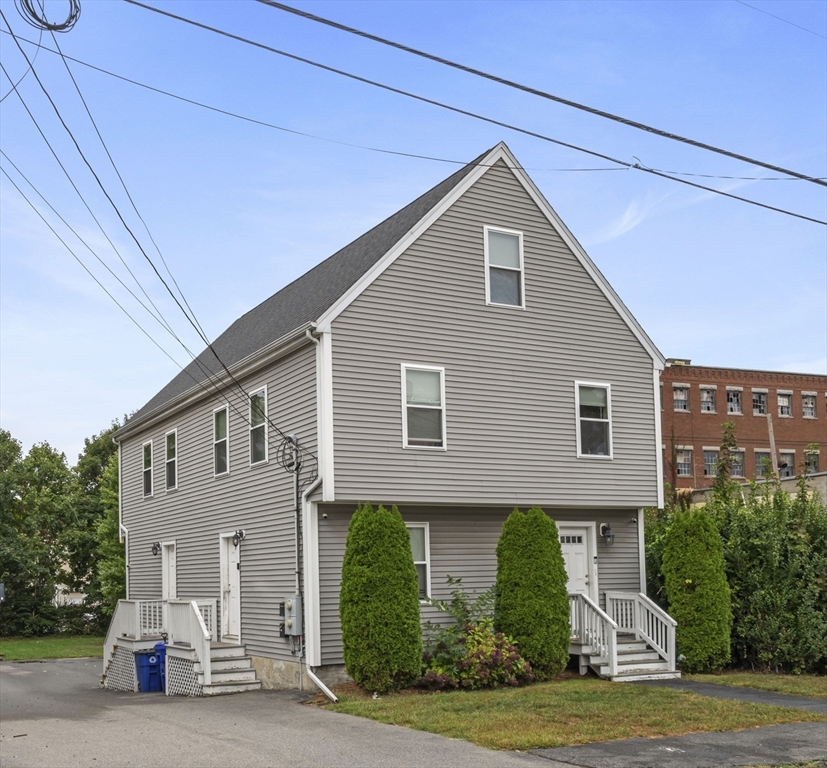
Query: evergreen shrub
531	601
379	602
697	591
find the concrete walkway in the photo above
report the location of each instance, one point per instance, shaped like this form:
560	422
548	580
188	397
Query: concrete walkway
774	745
53	714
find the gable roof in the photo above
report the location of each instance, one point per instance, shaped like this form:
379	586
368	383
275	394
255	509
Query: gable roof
327	289
307	298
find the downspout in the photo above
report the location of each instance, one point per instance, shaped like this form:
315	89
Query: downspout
313	592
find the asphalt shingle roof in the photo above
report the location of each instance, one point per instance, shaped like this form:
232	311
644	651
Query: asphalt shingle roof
307	298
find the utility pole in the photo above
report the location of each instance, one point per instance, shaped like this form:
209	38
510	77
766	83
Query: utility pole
773	454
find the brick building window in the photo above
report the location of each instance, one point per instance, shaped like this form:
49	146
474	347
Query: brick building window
708	400
808	404
788	458
785	404
763	464
684	463
811	461
759	403
733	401
710	463
736	468
681	398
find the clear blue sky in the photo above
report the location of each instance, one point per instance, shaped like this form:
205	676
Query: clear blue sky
239	210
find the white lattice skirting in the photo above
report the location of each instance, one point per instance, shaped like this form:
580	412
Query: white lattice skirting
181	677
121	675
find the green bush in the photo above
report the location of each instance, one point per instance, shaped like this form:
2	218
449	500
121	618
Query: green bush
697	591
777	565
379	602
474	656
531	600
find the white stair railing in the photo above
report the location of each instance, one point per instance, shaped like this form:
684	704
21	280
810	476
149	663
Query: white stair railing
186	625
124	623
594	629
208	614
636	613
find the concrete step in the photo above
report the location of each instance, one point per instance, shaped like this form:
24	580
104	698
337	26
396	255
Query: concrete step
221	689
638	667
630	677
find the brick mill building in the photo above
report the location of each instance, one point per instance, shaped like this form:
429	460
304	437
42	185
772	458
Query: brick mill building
696	400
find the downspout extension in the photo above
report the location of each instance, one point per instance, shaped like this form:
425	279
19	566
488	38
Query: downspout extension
324	689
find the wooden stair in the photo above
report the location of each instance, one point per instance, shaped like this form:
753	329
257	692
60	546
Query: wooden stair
636	660
231	669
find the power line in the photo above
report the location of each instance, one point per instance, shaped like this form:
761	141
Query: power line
28	69
476	116
398	153
37	17
760	10
192	322
533	91
280	449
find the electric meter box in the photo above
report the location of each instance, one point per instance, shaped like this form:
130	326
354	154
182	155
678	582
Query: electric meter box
291	611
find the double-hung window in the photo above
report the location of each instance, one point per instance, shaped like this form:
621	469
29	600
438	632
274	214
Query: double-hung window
171	447
788	458
146	450
421	556
733	401
763	464
423	407
808	405
594	424
811	461
221	442
504	283
710	463
684	462
785	404
736	464
258	426
680	395
708	397
759	403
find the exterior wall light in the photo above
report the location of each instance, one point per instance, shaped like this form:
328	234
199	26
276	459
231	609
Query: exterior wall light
238	537
607	533
156	548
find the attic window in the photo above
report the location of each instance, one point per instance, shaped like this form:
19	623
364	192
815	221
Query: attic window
504	284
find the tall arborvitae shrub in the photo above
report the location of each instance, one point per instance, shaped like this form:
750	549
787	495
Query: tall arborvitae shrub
697	591
379	602
531	600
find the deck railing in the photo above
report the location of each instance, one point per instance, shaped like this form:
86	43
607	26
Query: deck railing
191	622
594	629
637	614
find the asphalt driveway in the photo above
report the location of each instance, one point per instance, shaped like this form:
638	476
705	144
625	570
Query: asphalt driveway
54	715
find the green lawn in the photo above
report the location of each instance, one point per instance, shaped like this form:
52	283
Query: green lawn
564	713
813	686
50	647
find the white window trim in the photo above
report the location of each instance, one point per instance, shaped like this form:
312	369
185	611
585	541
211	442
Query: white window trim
226	439
168	460
760	390
685	388
250	432
734	389
608	388
427	527
486	229
151	470
708	386
441	370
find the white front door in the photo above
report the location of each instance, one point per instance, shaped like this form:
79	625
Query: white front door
230	588
580	558
169	573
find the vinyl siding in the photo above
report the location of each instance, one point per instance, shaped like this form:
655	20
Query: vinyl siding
509	373
258	499
463	543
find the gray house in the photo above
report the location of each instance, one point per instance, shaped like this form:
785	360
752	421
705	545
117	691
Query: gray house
463	357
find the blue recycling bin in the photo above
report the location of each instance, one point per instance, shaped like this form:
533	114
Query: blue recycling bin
161	650
148	667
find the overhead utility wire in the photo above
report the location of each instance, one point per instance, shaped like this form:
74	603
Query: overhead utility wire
195	325
222	394
761	10
123	183
28	69
458	110
413	155
535	91
86	205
